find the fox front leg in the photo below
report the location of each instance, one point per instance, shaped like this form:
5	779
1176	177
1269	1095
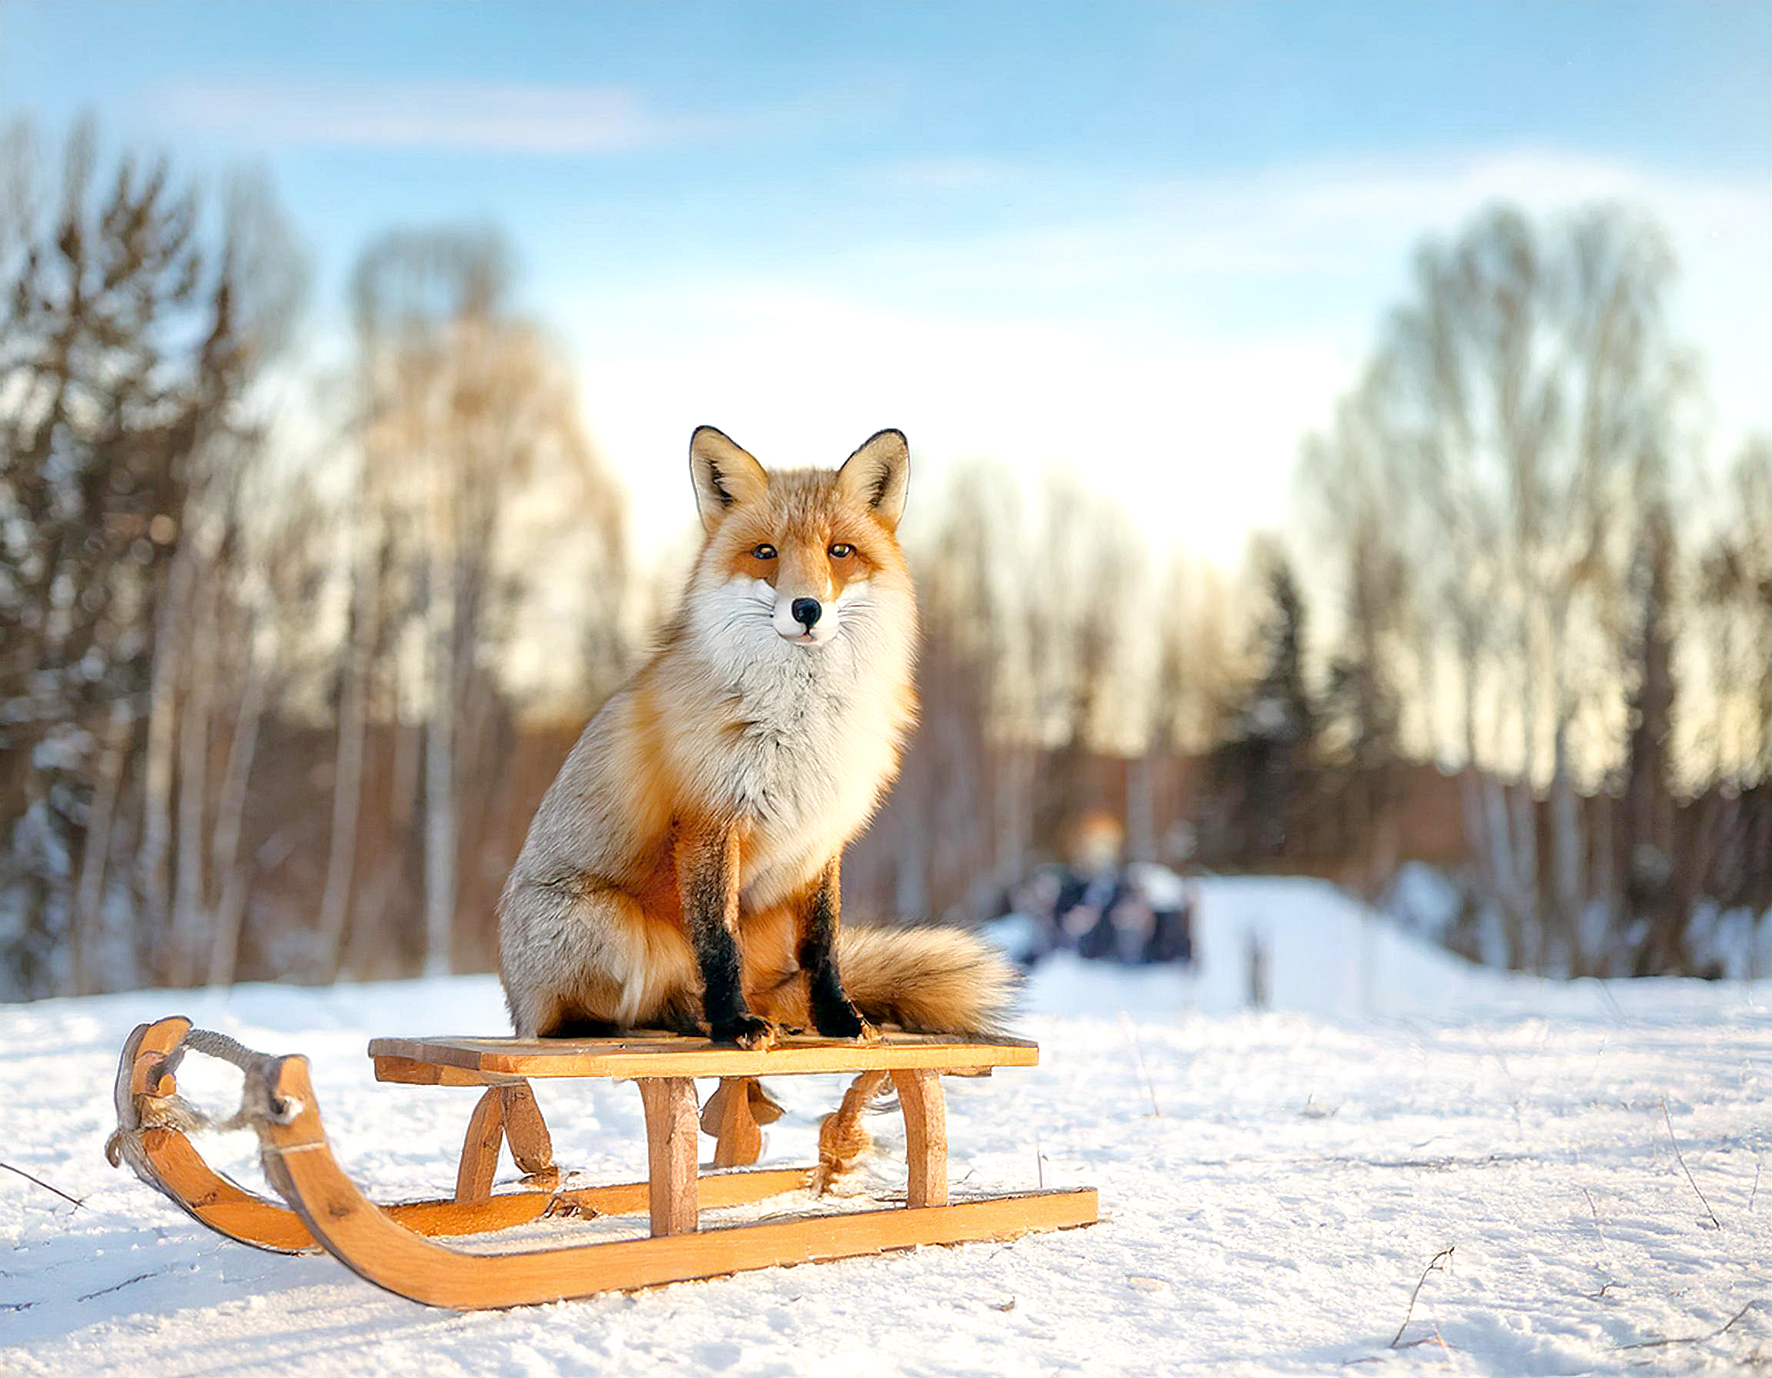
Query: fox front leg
833	1013
707	879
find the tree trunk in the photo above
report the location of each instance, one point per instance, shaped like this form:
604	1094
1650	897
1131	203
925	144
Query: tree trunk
95	855
1568	846
347	767
193	792
156	844
440	824
230	909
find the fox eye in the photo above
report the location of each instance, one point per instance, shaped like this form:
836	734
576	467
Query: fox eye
763	552
841	552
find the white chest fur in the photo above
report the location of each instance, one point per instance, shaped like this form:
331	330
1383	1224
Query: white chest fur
807	735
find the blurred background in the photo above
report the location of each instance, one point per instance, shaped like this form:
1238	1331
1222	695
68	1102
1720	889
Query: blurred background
1340	434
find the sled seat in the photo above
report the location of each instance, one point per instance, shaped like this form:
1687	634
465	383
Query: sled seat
482	1061
665	1067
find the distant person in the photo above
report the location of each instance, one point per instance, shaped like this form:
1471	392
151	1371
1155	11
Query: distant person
1100	907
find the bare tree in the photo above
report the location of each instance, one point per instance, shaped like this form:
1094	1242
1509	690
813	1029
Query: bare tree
136	317
1525	397
466	414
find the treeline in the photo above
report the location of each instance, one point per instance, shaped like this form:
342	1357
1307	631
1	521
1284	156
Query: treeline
285	665
257	712
1541	655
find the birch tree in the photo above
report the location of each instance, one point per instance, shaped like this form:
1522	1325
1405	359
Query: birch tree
1525	398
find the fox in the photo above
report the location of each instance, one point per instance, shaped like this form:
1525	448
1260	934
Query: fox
683	870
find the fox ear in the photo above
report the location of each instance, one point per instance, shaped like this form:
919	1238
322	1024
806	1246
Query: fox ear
878	474
724	475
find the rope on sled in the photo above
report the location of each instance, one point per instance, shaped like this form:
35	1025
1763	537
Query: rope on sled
136	1115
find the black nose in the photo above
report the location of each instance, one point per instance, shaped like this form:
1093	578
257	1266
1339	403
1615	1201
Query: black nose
806	611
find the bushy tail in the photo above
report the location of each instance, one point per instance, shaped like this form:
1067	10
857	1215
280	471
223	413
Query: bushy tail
927	979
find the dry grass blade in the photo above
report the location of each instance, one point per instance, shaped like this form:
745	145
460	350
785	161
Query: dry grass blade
127	1282
1439	1261
1722	1329
76	1201
1138	1057
1688	1171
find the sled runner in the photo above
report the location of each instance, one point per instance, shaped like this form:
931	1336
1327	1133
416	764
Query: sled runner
393	1246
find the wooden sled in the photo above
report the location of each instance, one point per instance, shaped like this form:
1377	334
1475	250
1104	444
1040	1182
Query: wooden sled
393	1245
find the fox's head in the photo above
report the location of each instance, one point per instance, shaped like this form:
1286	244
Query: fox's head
800	558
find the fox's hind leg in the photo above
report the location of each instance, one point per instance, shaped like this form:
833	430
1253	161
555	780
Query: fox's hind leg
833	1013
582	960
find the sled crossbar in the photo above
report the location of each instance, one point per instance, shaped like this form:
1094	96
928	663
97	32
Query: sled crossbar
395	1246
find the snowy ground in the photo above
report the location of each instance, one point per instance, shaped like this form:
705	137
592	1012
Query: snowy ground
1273	1185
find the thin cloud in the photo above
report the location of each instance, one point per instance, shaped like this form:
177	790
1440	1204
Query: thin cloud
1329	220
470	116
1242	305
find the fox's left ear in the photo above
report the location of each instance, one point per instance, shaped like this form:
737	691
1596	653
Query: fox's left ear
724	474
878	474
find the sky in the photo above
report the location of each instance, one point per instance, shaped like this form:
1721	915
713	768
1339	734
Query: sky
1147	243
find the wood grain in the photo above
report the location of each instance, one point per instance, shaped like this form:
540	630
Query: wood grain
411	1072
479	1149
671	1142
926	1135
400	1059
223	1205
532	1147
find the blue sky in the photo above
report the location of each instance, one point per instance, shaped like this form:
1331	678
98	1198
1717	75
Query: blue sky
1138	240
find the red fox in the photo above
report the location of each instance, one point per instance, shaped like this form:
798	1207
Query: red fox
682	870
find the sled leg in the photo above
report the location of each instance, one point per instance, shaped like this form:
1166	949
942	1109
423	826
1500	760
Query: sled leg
731	1118
527	1133
926	1135
671	1131
479	1150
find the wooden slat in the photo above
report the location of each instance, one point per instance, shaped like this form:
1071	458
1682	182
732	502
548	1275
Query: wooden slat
685	1057
671	1142
926	1135
377	1248
715	1190
719	1190
410	1072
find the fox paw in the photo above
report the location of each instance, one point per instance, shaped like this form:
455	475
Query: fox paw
844	1021
748	1031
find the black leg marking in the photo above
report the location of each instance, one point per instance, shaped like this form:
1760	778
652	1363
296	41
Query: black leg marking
833	1013
710	903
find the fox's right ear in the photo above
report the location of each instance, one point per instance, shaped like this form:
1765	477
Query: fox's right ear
724	474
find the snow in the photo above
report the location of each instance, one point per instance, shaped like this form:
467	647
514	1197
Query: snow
1274	1184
